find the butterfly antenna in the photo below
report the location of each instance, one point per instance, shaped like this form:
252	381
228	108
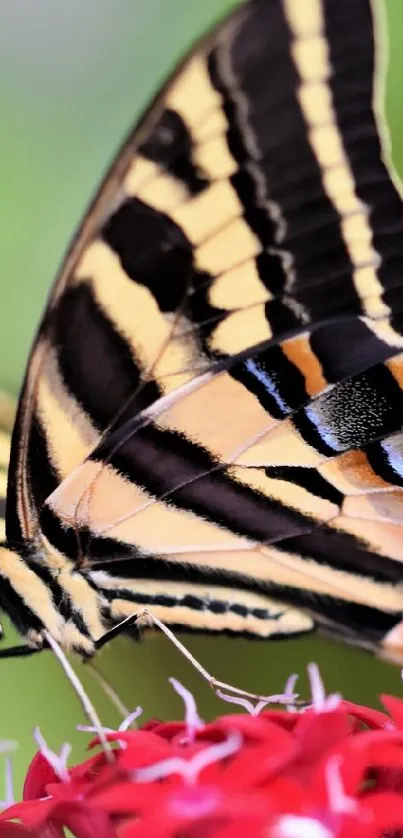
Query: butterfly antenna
85	700
108	689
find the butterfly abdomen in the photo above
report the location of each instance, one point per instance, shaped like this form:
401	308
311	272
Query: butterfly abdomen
42	591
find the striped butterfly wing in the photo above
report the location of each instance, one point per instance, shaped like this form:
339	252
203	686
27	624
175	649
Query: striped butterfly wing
7	415
211	418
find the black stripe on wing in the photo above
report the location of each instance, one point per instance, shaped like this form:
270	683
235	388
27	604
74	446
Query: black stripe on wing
353	103
78	542
342	551
279	181
309	479
363	624
166	464
41	482
95	360
276	382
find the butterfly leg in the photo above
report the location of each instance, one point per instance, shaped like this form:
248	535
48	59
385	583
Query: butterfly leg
218	687
21	651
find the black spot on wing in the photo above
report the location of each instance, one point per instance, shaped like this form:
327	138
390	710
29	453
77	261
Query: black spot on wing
153	251
346	347
170	145
353	413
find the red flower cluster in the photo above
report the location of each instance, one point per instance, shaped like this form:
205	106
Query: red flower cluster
331	770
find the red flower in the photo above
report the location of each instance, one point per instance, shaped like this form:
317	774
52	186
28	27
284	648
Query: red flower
331	770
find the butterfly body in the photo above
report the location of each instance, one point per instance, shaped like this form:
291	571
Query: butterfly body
211	420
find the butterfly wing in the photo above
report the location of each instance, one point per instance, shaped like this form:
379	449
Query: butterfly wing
7	414
212	409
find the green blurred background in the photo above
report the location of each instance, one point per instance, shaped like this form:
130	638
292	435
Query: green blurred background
73	76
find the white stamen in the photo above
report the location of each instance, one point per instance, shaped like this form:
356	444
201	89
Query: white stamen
128	721
7	746
91	729
338	799
333	700
130	718
317	686
190	769
9	784
192	718
298	826
320	702
289	691
57	761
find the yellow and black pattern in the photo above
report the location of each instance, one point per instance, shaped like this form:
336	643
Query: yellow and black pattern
211	422
7	414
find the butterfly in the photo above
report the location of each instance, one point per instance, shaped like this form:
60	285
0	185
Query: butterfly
211	420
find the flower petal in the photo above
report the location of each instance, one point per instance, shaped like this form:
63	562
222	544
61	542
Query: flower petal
39	774
394	707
